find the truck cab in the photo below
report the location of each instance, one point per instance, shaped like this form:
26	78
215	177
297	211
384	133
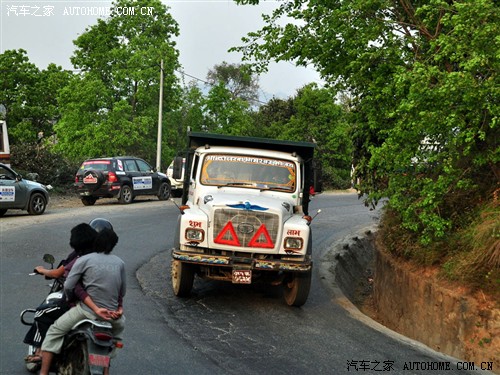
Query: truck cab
244	214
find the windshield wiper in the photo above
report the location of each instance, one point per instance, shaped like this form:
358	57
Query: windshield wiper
235	184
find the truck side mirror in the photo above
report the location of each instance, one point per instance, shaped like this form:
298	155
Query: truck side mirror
177	172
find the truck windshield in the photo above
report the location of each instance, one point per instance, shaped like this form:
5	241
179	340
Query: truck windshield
248	171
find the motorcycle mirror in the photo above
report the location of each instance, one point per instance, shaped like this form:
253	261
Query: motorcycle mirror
48	258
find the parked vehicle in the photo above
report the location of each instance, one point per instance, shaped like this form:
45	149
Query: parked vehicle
177	184
87	347
19	193
245	215
123	177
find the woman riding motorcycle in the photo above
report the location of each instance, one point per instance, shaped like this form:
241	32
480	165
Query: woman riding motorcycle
82	240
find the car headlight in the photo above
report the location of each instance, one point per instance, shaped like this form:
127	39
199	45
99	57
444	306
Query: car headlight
195	235
293	243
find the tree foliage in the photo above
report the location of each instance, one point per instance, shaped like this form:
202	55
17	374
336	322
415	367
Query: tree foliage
424	87
29	96
190	115
50	168
112	106
225	114
238	79
311	115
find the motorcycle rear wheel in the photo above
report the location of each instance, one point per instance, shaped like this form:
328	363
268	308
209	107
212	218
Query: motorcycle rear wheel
75	360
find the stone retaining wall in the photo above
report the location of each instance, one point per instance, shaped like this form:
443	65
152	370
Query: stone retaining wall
415	303
418	305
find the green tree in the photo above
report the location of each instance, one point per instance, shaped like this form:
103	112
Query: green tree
312	115
29	96
320	120
272	117
423	79
44	94
226	115
113	106
238	79
17	76
190	115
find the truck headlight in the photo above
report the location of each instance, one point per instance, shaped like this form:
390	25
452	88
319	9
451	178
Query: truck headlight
195	235
293	243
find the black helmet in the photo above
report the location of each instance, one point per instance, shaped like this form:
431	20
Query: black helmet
99	224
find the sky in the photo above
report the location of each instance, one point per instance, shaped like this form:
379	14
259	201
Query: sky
46	30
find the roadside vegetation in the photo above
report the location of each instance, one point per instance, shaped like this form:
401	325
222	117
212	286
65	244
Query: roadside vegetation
410	106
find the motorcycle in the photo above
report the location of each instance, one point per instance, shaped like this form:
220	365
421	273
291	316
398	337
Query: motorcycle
87	348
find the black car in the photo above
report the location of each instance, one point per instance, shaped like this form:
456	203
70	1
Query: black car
123	177
19	193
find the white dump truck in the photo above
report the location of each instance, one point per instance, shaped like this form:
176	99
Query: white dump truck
244	214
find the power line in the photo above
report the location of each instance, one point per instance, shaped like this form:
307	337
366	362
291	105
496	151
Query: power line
175	70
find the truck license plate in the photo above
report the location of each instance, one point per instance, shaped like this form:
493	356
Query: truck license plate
242	276
99	360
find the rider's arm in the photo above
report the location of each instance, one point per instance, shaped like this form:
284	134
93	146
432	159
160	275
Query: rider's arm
99	311
82	295
72	279
53	274
80	292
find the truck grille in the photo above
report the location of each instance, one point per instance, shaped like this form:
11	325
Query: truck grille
247	225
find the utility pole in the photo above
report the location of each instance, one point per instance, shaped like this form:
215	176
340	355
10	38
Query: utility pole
160	116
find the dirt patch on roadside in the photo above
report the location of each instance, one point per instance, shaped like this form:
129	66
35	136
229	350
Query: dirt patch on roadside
65	201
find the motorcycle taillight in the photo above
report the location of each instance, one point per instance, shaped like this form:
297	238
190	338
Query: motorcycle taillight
103	336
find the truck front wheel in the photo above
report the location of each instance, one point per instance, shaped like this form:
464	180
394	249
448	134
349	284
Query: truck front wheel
296	288
182	278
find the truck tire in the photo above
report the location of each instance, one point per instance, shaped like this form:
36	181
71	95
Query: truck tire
296	288
182	278
126	195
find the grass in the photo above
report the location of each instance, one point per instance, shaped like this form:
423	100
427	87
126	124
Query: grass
470	256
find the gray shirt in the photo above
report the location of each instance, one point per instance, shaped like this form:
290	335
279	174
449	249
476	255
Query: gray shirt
103	277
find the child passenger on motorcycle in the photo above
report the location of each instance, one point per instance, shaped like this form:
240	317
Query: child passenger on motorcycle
82	242
103	277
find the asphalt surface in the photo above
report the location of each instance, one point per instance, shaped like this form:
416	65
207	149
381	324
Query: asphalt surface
222	328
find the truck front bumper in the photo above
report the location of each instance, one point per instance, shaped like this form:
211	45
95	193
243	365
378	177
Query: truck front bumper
251	263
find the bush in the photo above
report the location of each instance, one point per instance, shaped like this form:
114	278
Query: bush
469	254
480	265
50	168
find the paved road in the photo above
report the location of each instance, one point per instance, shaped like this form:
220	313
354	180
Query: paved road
222	328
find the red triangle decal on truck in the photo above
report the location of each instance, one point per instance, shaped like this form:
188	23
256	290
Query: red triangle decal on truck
267	243
228	228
